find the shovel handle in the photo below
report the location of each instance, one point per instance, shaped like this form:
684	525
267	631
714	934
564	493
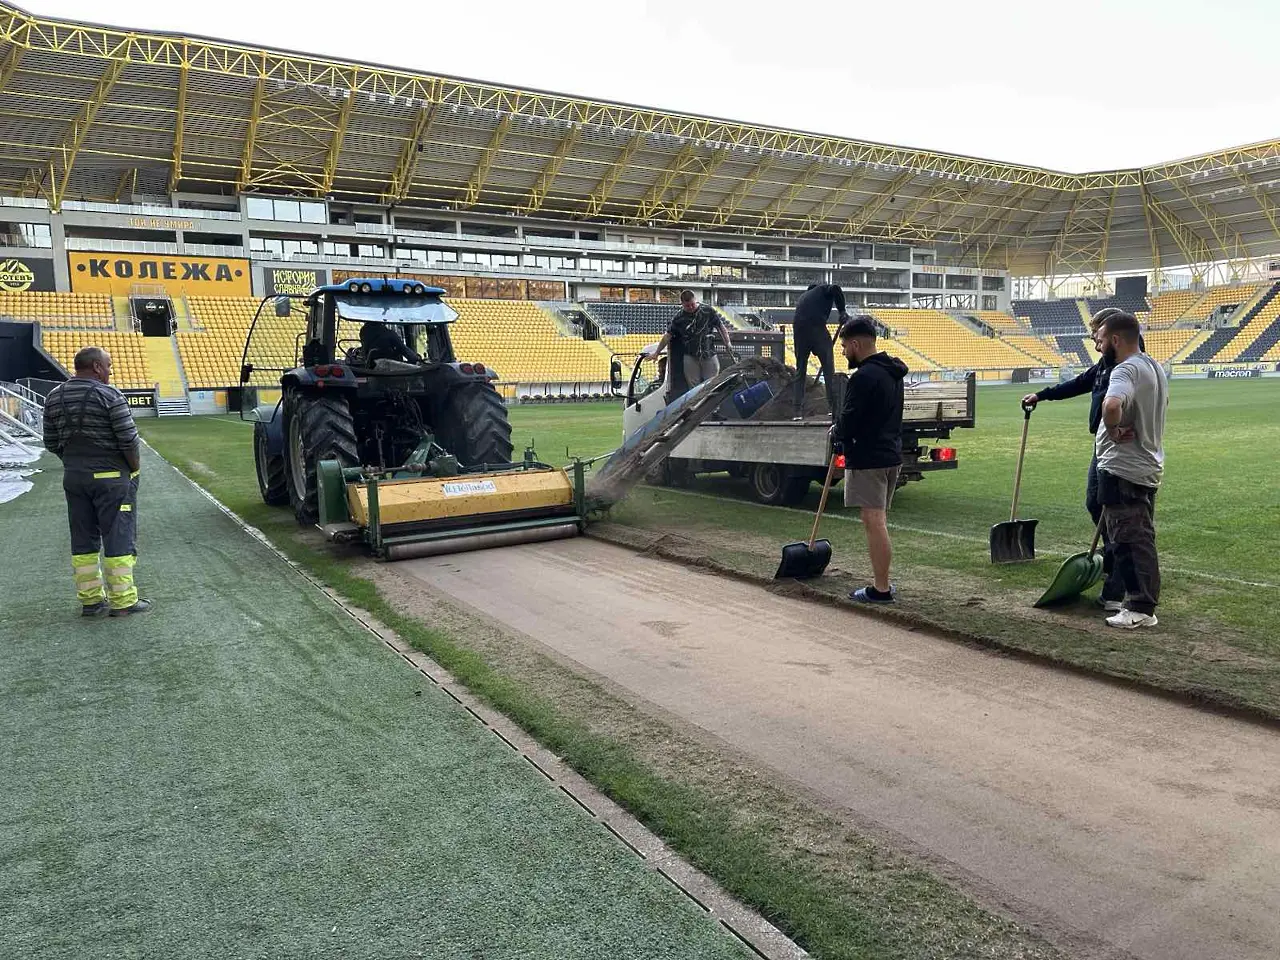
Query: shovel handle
1097	534
1022	452
822	503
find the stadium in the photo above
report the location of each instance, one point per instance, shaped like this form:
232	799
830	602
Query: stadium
690	758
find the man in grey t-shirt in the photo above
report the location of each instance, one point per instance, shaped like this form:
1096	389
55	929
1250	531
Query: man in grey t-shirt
1130	451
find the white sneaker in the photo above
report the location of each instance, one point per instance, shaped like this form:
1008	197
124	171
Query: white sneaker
1131	620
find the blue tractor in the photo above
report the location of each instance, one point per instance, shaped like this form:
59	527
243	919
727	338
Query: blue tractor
368	378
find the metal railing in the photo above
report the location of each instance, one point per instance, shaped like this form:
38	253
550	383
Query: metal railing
31	203
147	210
21	413
99	245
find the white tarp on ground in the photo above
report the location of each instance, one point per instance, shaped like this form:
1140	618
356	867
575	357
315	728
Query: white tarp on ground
13	480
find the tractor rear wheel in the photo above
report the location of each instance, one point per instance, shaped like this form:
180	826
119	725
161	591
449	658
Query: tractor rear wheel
272	482
316	428
473	425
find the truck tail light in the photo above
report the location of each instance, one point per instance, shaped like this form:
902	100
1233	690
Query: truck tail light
942	453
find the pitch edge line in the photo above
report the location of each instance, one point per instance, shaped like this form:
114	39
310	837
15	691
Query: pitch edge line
743	923
963	537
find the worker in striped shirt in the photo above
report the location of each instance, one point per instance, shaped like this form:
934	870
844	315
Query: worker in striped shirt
88	426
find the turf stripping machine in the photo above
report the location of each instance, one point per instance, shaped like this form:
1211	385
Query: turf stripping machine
388	440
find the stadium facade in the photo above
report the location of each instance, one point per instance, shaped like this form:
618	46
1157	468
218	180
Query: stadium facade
138	167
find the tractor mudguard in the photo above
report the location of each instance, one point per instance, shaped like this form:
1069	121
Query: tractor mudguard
269	414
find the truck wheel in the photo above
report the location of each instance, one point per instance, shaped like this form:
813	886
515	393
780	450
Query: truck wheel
776	485
272	483
473	425
316	428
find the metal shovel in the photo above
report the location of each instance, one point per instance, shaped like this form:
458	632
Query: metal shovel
1014	541
802	560
1078	573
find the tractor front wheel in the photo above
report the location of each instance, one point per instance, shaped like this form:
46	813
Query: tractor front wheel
272	482
316	428
473	425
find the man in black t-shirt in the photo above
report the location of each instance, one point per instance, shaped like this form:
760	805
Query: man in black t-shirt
694	330
809	330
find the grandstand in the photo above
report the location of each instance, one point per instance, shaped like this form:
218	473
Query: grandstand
949	343
214	170
50	309
130	367
528	347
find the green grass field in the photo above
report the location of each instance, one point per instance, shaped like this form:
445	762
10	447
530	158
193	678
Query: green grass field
838	896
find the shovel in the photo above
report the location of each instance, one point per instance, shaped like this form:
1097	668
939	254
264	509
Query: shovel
802	560
1077	574
1014	541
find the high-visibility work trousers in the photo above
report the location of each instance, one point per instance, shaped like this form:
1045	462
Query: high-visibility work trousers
102	513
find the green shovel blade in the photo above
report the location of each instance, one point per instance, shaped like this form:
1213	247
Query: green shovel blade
1077	574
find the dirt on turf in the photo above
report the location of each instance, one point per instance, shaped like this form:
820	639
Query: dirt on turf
1111	821
884	871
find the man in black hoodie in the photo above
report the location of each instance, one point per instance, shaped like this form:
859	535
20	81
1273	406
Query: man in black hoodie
870	429
1094	382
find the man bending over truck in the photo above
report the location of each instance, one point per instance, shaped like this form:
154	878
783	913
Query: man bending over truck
810	336
870	430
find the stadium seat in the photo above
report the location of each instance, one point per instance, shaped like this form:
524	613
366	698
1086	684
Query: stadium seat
950	343
72	311
130	370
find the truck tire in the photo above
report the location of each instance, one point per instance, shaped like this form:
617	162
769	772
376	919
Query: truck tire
473	425
316	428
777	485
272	483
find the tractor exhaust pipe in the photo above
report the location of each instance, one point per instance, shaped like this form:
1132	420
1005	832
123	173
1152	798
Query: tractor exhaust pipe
482	541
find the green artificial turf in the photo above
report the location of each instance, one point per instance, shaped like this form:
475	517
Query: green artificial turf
244	773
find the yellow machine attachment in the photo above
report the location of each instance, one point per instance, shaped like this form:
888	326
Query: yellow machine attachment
399	515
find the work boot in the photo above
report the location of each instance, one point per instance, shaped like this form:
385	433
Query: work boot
98	609
142	606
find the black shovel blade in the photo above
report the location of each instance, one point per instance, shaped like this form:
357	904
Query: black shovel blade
1013	541
800	563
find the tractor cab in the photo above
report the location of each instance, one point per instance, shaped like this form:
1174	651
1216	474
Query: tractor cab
372	325
367	378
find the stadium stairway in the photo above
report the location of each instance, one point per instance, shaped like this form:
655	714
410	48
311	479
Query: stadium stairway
182	314
1073	348
122	315
1190	347
1209	347
166	369
1220	345
1256	325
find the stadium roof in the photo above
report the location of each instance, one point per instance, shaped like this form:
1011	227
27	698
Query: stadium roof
99	112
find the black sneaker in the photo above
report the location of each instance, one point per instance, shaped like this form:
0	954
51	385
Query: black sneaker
98	609
142	606
872	595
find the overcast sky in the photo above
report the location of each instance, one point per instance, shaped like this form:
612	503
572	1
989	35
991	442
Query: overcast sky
1114	84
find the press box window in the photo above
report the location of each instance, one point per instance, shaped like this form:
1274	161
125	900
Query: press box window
287	211
25	235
